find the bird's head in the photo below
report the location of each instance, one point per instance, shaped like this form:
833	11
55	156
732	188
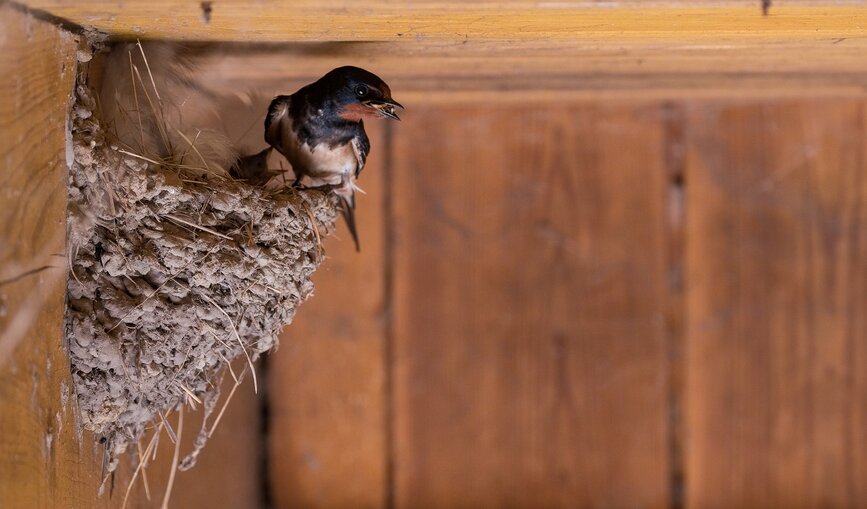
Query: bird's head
360	94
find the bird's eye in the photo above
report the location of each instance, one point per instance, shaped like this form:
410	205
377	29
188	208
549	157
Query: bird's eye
361	91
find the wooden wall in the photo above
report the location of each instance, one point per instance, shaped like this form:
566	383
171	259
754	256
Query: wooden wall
566	297
590	303
776	394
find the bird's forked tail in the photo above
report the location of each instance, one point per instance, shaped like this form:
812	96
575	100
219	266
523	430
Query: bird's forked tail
347	208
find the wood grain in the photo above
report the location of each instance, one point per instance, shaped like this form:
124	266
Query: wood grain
777	286
46	459
431	49
440	50
342	20
42	461
529	292
484	71
327	427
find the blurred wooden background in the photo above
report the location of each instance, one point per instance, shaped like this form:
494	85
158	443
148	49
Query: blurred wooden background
591	304
626	268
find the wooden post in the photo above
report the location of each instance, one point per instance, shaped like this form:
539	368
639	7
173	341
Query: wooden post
43	459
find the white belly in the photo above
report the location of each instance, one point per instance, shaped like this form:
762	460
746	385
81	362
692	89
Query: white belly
322	163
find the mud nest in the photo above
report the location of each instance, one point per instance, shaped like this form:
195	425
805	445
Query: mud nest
175	273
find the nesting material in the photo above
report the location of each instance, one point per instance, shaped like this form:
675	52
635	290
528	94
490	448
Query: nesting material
175	273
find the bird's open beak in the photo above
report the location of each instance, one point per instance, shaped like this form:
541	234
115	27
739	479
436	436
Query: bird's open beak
385	107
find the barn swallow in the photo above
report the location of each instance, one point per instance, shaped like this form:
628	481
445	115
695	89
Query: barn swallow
320	130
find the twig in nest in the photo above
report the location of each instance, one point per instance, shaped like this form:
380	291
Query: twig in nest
190	394
197	226
145	58
235	378
72	254
315	229
137	156
238	381
169	431
142	461
175	459
135	97
158	116
196	150
238	337
109	191
152	294
144	473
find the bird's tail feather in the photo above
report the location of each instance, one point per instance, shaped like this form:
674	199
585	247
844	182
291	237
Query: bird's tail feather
347	208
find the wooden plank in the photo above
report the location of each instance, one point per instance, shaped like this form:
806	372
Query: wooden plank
432	50
41	459
529	333
341	20
44	460
424	71
756	56
777	285
326	383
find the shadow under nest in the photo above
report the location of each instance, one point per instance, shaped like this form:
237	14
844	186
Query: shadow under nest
176	270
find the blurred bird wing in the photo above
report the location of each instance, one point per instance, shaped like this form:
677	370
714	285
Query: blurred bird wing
279	125
280	135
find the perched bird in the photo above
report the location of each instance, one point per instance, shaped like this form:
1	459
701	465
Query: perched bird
320	130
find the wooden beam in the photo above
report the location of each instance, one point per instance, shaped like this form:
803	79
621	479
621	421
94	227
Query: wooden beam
343	20
538	71
44	460
429	50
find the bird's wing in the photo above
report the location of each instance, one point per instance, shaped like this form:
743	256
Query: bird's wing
279	134
361	147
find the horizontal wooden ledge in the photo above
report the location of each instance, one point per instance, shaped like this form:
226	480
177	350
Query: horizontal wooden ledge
486	67
760	88
286	20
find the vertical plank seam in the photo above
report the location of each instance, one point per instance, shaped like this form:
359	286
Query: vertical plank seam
388	295
851	350
675	244
266	498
